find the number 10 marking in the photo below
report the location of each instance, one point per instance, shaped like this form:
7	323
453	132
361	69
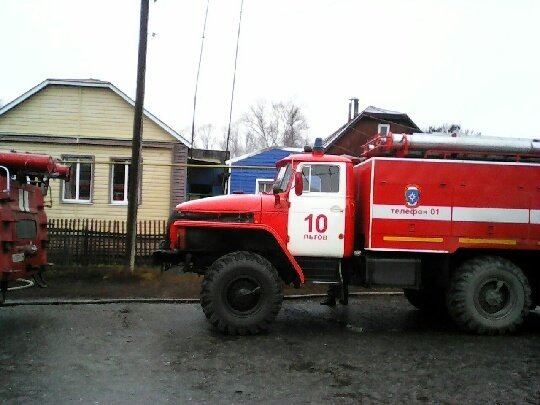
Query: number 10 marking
321	223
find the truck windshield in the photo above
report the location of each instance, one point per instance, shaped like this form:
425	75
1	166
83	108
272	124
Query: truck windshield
282	179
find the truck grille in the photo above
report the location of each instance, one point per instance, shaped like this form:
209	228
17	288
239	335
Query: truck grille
233	217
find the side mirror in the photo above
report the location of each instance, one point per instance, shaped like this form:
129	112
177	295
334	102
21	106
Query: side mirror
298	183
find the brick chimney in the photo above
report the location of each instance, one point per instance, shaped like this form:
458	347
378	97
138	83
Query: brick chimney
353	108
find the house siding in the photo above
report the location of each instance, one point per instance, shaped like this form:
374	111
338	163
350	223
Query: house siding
155	181
77	111
244	180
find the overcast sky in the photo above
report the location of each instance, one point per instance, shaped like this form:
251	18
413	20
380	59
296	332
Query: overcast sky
470	62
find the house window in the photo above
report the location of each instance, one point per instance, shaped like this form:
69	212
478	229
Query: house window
79	187
264	185
120	181
321	178
383	129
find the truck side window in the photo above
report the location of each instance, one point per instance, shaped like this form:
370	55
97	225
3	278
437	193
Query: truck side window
321	178
283	177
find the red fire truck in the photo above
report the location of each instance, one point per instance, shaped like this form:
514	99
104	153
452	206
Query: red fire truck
454	221
24	181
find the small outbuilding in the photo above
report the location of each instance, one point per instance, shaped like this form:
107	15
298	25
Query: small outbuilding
254	172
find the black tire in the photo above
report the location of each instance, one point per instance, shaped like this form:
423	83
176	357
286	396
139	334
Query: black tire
489	295
430	300
241	294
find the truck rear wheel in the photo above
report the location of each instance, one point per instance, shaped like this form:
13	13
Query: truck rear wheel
241	294
489	295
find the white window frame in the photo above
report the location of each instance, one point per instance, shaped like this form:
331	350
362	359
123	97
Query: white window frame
117	161
126	164
381	126
75	162
259	181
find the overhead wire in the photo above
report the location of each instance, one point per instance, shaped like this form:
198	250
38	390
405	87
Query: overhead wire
226	175
197	80
234	76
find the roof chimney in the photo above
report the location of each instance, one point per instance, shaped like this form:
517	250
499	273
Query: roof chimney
353	108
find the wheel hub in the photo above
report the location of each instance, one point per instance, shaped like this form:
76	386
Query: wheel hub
243	295
494	296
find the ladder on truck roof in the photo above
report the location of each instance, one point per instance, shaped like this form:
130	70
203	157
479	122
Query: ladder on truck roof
444	146
33	164
39	167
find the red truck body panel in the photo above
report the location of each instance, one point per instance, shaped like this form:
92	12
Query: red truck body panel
445	205
23	222
22	228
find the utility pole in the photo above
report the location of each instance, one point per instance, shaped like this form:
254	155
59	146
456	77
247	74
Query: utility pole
135	166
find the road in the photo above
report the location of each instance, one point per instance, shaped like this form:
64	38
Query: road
376	350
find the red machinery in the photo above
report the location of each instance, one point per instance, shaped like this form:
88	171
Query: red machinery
453	221
24	180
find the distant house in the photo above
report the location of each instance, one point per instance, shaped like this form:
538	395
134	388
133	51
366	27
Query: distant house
89	124
361	127
249	179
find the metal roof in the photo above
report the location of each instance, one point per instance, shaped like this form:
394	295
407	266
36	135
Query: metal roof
258	152
92	83
376	110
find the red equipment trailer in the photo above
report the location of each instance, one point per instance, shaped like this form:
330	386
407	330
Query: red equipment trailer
453	221
24	181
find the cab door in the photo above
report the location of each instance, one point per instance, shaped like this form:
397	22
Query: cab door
316	224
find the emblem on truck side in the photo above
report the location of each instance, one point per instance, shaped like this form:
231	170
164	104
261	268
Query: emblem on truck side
412	195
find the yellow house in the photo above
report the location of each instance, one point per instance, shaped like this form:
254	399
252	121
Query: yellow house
89	123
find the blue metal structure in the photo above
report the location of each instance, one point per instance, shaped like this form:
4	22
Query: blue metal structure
245	180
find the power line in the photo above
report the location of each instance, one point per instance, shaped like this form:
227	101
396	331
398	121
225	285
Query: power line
234	77
197	80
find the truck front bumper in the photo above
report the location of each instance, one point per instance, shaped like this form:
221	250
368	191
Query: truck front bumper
169	256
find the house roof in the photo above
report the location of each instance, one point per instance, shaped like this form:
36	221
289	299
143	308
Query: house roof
258	152
91	83
372	112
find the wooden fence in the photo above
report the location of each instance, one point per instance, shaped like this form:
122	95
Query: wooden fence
84	242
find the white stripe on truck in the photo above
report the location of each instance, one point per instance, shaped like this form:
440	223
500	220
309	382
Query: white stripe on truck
458	214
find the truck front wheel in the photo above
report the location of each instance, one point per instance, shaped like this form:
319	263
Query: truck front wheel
489	295
241	293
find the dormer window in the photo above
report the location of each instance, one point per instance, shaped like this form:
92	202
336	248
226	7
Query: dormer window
383	129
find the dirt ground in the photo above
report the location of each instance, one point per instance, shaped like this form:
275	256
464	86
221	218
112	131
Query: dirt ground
118	283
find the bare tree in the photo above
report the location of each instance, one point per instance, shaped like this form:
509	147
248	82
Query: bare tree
261	126
204	137
236	148
279	123
452	129
294	124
